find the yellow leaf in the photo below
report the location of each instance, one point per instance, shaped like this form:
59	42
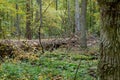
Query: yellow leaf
40	78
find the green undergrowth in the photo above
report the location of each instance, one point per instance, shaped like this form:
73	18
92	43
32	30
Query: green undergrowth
56	65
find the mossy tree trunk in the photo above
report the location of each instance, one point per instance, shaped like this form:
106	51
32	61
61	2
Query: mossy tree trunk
28	20
109	64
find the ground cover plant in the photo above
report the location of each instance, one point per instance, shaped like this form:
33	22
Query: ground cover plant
56	65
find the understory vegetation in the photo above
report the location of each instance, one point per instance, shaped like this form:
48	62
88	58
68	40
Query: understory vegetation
57	65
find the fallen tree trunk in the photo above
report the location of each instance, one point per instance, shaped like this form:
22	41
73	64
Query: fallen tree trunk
11	47
31	45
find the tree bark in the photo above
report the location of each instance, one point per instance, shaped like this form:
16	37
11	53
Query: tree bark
83	24
0	26
17	24
28	20
56	4
77	17
109	64
69	13
41	20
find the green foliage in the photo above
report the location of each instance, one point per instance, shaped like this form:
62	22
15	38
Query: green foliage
18	71
7	15
49	66
53	18
93	17
55	22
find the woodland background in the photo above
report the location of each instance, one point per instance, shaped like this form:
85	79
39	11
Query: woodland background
49	39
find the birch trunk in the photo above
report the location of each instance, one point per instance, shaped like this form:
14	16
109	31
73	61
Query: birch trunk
77	17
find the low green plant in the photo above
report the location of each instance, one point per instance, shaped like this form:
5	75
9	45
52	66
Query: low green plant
48	66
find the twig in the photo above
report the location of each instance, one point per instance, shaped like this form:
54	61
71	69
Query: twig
75	78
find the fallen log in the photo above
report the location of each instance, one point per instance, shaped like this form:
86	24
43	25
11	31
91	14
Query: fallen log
12	46
33	45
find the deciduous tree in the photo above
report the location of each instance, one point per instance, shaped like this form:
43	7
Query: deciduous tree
28	20
83	24
109	64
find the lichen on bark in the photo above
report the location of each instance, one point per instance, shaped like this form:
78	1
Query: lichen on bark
109	64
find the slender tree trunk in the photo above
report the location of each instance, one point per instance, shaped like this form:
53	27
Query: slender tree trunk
90	18
83	24
109	64
69	19
0	25
17	24
56	1
41	20
3	25
32	10
12	25
32	17
28	20
77	17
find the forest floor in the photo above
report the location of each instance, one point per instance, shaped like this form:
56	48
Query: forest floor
60	64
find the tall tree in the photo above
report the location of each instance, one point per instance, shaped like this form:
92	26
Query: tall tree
28	20
17	23
83	24
109	64
56	1
68	8
77	17
41	20
0	25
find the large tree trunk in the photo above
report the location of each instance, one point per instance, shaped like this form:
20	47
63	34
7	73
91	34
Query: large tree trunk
83	24
109	64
